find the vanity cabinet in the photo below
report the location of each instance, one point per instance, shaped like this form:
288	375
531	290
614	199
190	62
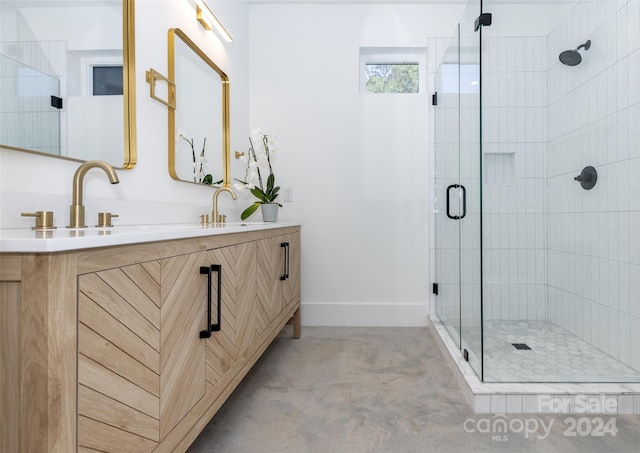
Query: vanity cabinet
147	380
291	286
278	266
119	319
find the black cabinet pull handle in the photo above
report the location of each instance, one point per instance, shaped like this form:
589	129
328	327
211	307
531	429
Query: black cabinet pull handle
464	201
209	271
453	217
285	275
288	259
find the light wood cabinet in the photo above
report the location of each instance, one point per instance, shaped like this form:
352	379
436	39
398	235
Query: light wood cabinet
270	269
134	363
238	324
119	360
10	325
278	276
291	286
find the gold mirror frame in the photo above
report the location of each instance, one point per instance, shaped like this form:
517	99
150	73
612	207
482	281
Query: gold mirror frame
173	33
128	91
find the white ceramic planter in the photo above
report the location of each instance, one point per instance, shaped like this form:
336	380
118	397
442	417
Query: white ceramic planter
269	212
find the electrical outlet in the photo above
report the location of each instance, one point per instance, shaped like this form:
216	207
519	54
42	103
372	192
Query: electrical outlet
287	194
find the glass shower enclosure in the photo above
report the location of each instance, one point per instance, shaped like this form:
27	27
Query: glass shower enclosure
457	189
27	118
536	192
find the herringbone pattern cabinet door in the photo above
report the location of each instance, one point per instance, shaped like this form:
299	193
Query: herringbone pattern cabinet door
182	351
119	358
270	268
221	347
246	326
142	366
291	286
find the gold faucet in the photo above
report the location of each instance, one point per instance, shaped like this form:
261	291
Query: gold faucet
214	214
77	209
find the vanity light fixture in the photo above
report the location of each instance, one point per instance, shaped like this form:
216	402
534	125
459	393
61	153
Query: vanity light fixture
209	20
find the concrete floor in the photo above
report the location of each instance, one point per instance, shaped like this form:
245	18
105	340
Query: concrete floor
383	390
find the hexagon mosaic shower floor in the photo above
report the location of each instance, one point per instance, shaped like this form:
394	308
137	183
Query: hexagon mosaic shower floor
556	355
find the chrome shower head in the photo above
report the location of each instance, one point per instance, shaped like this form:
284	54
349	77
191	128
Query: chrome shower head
573	57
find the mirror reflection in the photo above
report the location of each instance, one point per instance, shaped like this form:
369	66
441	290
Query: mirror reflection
199	125
64	79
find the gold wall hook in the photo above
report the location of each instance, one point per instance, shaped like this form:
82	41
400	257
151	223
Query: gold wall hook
239	154
152	76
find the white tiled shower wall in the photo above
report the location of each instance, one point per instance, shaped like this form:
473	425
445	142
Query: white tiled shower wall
27	119
514	113
514	108
594	236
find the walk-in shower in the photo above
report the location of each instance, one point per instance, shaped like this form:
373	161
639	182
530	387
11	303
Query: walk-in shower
538	279
30	102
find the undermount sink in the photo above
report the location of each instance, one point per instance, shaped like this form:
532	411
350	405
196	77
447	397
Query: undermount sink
64	238
162	227
124	229
159	227
243	223
134	228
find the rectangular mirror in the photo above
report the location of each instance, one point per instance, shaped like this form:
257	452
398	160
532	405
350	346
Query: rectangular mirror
199	125
67	79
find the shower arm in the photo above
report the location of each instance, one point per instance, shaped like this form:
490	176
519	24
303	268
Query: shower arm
584	46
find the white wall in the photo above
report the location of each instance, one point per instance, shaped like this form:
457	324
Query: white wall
146	194
357	163
46	23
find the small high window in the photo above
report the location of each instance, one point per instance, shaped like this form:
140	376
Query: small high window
392	77
392	70
107	80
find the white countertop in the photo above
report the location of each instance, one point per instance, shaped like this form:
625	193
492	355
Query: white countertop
64	239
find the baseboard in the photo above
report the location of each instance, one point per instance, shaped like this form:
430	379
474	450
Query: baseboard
378	315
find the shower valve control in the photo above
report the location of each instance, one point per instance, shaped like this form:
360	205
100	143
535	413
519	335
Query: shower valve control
587	178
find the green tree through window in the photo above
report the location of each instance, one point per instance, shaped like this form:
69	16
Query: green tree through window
392	78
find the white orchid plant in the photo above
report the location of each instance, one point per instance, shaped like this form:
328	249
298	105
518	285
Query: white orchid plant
259	157
198	161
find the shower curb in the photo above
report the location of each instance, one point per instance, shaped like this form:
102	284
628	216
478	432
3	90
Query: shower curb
534	398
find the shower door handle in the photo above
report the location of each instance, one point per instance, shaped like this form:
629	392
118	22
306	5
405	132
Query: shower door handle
464	201
453	217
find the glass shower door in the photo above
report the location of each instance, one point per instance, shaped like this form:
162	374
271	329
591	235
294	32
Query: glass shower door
471	183
457	190
447	175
